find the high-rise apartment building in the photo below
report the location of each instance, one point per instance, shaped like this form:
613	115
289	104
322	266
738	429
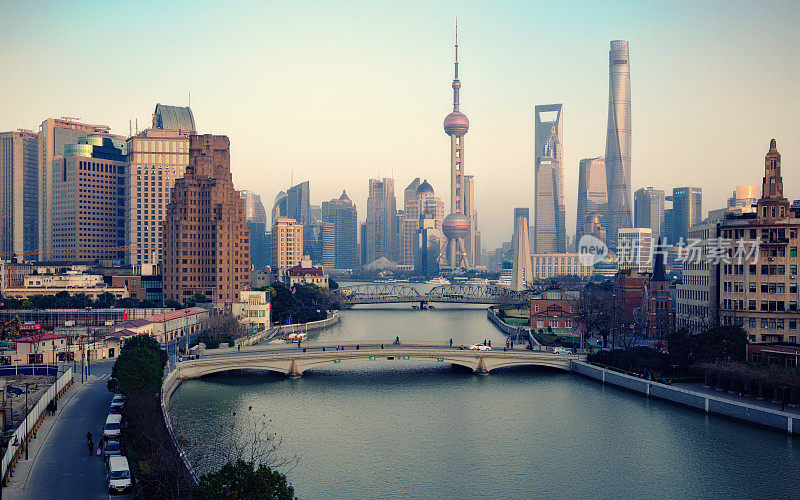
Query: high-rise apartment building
381	221
253	208
648	210
19	200
592	193
157	157
206	239
343	215
287	244
328	244
88	203
298	203
760	291
687	210
635	249
618	140
549	201
410	222
54	134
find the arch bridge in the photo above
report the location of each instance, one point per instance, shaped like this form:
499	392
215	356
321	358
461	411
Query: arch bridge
290	360
395	293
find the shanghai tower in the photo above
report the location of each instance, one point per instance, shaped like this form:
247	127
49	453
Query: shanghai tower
618	140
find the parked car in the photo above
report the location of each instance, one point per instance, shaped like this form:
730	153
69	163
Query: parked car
480	347
118	401
111	448
118	474
113	426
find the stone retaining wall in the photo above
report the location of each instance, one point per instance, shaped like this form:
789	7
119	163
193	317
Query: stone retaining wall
765	417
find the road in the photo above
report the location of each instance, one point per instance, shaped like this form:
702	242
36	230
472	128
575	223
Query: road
63	467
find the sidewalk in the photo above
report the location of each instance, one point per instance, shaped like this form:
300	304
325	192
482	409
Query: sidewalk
22	472
763	403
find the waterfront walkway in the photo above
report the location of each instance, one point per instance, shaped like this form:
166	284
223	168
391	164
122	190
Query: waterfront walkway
736	398
59	465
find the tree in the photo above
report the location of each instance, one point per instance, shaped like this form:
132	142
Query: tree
284	305
221	329
241	480
173	304
105	300
594	309
332	284
140	365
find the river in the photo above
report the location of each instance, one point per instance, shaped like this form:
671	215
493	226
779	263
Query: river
408	429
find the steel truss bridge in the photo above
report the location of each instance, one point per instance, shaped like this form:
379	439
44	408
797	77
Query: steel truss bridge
395	293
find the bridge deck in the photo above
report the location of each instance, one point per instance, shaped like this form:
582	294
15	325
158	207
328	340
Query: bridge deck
292	360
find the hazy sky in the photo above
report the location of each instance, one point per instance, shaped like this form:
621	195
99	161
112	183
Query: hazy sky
342	91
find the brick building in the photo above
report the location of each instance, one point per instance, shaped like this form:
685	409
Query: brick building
555	310
206	239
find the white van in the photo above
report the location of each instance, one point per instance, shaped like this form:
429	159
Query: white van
118	475
113	426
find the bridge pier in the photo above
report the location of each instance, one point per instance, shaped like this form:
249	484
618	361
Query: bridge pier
293	371
481	369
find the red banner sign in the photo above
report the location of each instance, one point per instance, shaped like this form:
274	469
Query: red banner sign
27	328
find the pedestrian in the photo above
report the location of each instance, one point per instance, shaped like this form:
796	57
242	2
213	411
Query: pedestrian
100	443
91	446
484	341
238	347
323	349
490	343
358	347
451	342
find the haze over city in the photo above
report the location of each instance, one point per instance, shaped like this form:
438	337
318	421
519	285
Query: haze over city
338	93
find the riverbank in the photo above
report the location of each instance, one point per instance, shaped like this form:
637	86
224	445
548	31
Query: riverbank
784	421
517	332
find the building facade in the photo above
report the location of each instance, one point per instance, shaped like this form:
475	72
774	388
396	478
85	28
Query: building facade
253	208
687	210
287	244
206	239
54	134
549	224
522	272
648	210
760	292
635	249
342	213
298	203
618	140
381	221
19	200
592	194
88	202
157	157
696	296
552	265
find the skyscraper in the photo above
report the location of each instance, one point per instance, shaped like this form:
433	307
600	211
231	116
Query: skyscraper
635	249
648	210
343	215
592	194
410	223
298	203
279	207
156	156
54	134
381	220
687	210
206	239
19	200
549	214
88	203
457	226
253	208
618	140
522	273
744	198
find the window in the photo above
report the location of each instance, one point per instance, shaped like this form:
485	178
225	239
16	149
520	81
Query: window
751	322
792	324
751	305
792	251
752	286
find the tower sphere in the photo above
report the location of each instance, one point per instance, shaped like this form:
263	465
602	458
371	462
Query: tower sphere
456	123
455	226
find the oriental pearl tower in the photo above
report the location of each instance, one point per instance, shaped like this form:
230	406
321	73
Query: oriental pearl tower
456	226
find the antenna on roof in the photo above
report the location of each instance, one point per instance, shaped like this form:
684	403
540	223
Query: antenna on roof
190	98
137	125
130	127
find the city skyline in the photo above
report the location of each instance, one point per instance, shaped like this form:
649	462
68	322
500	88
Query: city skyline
267	119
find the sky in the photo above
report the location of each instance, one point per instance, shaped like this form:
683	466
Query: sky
338	92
